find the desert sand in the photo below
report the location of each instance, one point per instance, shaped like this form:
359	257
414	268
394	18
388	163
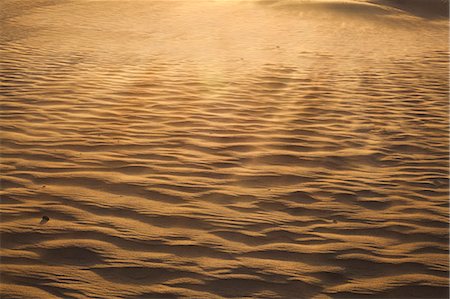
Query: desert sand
222	149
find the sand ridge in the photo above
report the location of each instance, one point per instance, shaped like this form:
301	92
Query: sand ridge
220	149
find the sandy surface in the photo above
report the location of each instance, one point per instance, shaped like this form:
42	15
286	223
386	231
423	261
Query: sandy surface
207	149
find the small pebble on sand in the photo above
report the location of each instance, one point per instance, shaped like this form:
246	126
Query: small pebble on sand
44	219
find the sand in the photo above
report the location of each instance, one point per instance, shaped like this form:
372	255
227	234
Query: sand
220	149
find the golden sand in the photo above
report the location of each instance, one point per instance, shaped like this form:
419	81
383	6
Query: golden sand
219	149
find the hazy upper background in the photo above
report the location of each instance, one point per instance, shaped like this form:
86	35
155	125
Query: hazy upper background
210	149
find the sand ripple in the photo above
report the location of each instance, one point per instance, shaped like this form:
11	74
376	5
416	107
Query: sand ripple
279	159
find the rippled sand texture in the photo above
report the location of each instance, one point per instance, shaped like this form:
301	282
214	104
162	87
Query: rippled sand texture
259	149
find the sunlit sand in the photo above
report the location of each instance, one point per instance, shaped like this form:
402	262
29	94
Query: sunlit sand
220	149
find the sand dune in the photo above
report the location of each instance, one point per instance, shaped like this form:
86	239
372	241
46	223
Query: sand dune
428	9
220	149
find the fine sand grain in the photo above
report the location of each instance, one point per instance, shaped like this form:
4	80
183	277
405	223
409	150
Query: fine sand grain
210	149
